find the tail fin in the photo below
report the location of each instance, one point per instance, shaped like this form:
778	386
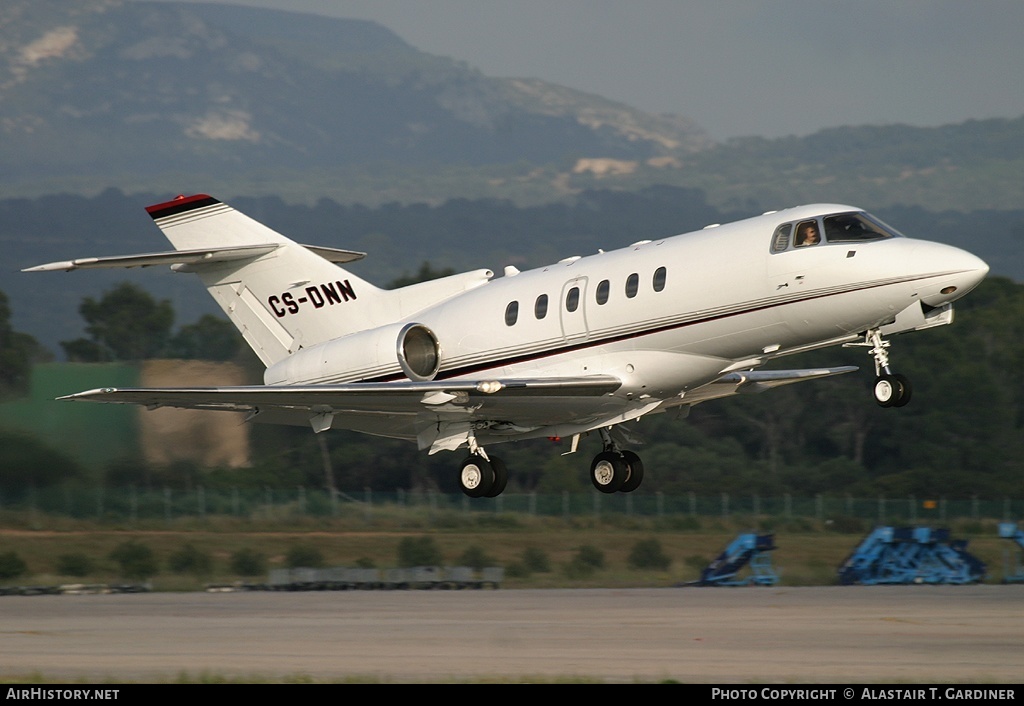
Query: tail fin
283	298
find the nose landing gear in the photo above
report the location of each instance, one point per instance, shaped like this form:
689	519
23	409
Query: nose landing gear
891	389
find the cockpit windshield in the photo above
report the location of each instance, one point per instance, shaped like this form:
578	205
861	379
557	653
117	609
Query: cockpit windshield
852	227
855	227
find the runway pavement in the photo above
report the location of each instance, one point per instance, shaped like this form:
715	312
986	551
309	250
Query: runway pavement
876	634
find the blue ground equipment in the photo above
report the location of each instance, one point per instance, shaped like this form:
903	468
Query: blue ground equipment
746	550
900	555
1013	571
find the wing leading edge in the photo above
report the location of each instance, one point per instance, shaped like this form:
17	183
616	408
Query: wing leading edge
530	400
382	397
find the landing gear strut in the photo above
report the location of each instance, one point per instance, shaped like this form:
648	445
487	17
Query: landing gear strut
616	471
891	389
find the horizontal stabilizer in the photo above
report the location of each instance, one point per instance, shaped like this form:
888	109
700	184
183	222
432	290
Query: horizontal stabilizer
201	256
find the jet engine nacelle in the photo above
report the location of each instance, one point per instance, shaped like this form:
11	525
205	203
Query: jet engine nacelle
413	348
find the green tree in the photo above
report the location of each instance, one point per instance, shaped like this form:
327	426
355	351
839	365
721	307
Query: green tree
475	557
648	554
136	560
28	461
11	566
304	556
248	562
125	324
74	564
536	560
17	353
210	338
190	560
419	551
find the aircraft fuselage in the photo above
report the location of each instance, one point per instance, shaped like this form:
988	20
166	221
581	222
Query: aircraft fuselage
669	315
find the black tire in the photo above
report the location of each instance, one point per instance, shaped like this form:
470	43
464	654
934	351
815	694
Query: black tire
905	390
608	472
636	472
500	478
476	476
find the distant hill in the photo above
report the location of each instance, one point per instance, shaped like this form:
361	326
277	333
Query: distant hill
118	93
167	97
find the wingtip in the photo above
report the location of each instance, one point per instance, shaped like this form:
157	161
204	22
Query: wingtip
96	392
66	265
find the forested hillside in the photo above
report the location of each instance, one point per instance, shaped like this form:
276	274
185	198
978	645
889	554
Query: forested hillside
460	234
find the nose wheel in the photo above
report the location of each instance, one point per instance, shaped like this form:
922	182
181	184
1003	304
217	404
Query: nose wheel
891	389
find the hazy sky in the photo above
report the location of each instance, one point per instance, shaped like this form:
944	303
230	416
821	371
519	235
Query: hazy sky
737	67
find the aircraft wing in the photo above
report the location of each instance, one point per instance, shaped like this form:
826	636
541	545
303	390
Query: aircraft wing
746	382
319	404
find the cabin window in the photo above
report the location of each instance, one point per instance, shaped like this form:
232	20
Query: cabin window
511	313
540	308
572	299
602	291
632	285
780	241
853	228
807	234
659	279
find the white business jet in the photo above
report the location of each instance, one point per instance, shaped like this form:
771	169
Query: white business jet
579	346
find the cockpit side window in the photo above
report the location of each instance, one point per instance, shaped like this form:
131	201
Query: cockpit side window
780	241
854	228
807	234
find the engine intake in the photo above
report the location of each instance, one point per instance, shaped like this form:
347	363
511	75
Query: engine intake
419	353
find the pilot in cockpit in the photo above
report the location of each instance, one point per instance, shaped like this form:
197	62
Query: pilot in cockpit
807	234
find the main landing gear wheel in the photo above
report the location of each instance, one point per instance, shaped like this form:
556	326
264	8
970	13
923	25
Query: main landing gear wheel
500	478
636	472
892	390
480	478
609	471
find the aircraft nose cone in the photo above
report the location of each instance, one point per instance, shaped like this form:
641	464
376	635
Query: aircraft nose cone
957	273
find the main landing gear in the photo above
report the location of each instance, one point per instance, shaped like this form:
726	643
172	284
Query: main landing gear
616	471
481	476
891	389
613	471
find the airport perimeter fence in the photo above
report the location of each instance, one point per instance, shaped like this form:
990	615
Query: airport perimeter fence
284	504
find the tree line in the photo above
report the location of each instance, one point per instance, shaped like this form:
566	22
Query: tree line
960	436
